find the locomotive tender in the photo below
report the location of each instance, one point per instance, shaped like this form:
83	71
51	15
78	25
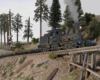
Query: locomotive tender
58	39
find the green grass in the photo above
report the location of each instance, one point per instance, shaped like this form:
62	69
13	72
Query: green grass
94	44
38	65
11	73
64	77
19	75
46	67
53	56
74	75
26	78
0	67
13	49
22	48
22	60
9	65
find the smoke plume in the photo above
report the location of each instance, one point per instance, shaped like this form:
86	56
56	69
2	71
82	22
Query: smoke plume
73	9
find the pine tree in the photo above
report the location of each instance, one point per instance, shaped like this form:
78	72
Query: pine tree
1	26
68	22
5	24
82	19
55	15
28	31
94	28
79	10
41	12
17	24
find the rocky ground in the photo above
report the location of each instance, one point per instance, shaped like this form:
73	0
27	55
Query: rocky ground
35	72
7	66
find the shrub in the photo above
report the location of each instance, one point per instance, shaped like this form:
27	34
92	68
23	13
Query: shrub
94	28
38	65
19	75
34	40
9	64
46	67
11	73
63	27
94	44
13	49
22	60
53	56
22	48
26	78
18	45
30	43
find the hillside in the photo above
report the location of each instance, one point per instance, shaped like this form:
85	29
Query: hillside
40	67
9	64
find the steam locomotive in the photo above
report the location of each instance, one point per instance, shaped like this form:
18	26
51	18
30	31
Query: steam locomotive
58	39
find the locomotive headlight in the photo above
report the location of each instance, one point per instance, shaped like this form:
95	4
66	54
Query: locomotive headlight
80	27
62	33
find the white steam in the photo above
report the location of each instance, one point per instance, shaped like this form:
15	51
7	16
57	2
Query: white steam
73	9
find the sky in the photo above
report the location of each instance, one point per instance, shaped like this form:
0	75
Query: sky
26	9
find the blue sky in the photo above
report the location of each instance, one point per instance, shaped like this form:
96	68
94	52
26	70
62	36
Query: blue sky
26	9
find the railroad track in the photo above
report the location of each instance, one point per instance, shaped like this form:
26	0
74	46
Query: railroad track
68	51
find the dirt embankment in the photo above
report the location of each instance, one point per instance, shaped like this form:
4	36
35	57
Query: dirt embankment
38	72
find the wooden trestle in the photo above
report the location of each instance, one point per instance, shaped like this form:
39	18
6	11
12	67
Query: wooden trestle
82	62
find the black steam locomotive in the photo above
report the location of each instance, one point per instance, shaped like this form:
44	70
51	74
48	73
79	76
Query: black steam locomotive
58	39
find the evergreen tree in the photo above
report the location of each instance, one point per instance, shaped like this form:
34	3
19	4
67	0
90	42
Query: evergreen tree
79	10
17	24
28	32
1	26
63	27
68	22
5	24
82	20
55	15
41	12
89	17
94	28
